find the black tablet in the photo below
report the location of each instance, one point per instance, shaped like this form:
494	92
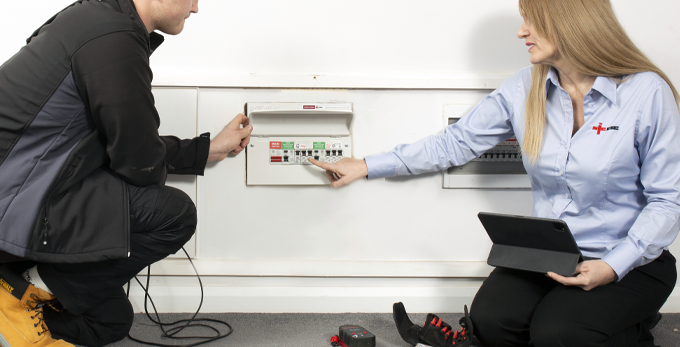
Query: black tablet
531	244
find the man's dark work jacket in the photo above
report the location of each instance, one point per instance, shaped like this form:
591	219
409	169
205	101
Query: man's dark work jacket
77	124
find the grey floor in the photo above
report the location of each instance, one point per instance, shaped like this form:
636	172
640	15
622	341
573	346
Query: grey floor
315	330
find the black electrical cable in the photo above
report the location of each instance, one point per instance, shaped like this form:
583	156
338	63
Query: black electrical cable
188	323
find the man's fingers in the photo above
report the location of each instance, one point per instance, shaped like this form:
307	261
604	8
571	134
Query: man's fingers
245	132
237	121
234	123
245	142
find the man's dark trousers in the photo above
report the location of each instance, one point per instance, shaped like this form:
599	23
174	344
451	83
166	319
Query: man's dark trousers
97	311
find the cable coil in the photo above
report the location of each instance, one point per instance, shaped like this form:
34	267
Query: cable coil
193	322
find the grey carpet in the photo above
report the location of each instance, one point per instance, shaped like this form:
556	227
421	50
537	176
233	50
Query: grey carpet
315	330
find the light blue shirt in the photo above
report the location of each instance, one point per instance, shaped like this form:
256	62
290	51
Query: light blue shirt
616	181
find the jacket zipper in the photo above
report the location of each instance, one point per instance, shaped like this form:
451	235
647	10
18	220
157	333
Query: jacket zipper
126	198
52	189
46	223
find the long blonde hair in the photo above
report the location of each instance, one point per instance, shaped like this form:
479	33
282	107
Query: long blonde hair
587	34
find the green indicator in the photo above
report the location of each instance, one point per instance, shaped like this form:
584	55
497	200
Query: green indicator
288	145
319	145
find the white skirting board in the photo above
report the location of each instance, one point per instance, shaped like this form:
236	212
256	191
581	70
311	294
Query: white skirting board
328	287
315	295
310	295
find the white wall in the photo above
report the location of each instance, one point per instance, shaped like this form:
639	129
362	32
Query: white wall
363	247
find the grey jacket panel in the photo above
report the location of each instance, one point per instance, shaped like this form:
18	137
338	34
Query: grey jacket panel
46	159
37	158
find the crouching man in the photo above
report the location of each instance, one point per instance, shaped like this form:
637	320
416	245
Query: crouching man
83	205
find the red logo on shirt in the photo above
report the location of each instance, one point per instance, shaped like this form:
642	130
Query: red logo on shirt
599	128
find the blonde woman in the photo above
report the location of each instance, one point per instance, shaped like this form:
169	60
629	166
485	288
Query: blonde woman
599	127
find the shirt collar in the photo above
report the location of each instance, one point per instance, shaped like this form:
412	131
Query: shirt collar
551	78
607	87
604	85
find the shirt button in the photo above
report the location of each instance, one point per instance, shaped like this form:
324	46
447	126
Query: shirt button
591	105
566	196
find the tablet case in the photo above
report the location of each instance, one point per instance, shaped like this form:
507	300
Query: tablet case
530	243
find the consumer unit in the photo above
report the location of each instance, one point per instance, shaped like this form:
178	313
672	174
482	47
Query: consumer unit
499	167
287	134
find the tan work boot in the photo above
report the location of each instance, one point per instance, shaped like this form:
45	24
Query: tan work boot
21	313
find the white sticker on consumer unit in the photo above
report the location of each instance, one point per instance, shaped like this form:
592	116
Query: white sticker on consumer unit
333	107
264	107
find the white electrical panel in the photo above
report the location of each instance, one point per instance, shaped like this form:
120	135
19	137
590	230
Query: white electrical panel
287	134
499	167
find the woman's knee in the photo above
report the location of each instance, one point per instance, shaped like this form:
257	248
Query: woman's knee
554	330
486	329
496	327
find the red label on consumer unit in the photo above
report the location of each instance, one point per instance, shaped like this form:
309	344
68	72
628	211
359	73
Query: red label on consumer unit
274	144
309	107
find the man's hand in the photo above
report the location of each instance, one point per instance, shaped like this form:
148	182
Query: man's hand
344	172
232	139
591	274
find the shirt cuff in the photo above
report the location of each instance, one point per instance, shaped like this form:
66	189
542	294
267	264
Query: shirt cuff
623	258
381	165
